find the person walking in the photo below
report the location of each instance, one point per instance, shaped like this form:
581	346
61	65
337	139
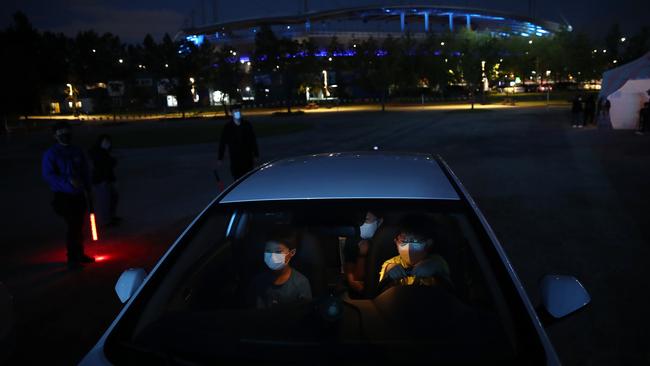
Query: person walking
239	137
576	111
103	180
590	110
65	169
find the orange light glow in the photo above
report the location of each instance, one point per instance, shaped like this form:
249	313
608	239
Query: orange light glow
93	227
100	258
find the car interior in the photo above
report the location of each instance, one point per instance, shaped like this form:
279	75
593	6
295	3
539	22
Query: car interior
208	305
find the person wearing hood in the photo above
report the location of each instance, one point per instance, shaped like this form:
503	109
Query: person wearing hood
103	180
65	169
238	136
416	264
279	284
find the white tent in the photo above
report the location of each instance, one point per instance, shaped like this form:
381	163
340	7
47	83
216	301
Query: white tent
626	89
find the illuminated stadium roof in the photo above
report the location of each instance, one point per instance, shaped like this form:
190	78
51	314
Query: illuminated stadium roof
373	21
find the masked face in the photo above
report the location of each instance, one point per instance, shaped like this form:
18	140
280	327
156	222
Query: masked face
63	136
106	144
369	227
412	251
236	115
277	255
275	261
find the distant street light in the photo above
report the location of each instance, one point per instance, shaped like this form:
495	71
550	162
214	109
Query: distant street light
120	61
615	61
94	50
442	44
623	39
330	59
70	92
166	65
530	42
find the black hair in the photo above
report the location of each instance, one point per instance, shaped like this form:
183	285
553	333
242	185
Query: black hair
417	225
235	106
284	235
60	126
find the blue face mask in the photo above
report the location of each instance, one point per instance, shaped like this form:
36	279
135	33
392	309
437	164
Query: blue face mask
236	115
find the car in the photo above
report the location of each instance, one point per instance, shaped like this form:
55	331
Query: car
193	308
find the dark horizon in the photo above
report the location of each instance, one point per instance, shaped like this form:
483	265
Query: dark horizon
131	22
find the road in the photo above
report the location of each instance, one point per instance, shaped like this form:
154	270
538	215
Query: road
561	200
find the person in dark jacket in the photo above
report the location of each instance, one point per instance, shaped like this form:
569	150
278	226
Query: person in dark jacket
590	110
576	111
103	180
65	169
644	118
239	137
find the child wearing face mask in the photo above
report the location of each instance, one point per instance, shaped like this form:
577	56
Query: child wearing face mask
280	284
416	262
356	251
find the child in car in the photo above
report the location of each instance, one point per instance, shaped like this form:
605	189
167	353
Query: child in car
280	284
416	262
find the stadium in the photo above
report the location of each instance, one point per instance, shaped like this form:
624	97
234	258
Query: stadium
349	25
358	23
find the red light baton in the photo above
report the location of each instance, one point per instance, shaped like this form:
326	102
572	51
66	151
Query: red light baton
219	181
93	224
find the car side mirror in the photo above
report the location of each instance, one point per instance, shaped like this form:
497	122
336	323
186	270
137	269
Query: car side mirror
563	295
129	282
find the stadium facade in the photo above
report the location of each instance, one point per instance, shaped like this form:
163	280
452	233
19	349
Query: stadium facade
358	23
355	24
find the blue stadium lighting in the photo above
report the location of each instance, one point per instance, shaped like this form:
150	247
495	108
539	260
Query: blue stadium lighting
196	39
244	59
381	53
523	34
321	54
486	17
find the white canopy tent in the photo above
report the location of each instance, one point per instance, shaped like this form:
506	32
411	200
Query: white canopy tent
626	89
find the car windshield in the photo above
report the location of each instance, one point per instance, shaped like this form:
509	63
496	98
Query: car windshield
272	281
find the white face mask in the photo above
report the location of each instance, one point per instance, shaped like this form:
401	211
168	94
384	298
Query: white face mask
368	229
106	145
237	116
412	253
275	261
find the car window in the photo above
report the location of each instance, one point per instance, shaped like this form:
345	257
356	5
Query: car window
217	300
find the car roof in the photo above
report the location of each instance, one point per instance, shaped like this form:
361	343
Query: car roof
353	175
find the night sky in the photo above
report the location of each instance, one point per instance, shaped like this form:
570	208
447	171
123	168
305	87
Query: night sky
131	20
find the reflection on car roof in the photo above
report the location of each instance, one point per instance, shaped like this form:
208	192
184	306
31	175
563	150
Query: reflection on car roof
346	176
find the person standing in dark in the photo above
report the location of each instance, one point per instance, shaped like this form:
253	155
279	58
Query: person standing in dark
644	118
103	180
239	137
576	111
65	169
590	110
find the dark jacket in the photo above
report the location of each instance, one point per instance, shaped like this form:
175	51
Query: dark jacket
241	142
62	163
103	165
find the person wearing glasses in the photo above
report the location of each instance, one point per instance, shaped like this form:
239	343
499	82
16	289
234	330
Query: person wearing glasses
416	264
